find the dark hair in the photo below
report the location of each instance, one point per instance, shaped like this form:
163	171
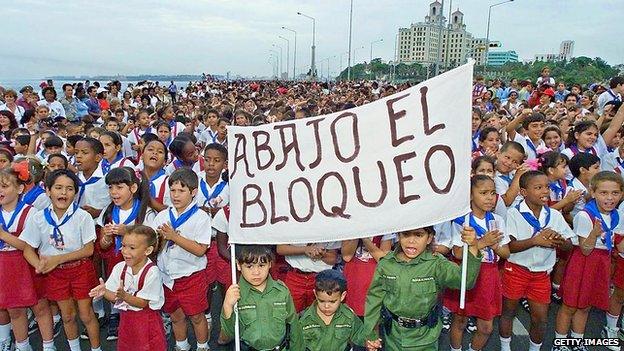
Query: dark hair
46	89
485	131
185	176
6	152
95	145
575	96
534	117
177	145
478	178
551	159
218	147
67	85
61	156
115	137
526	177
512	145
126	175
12	121
23	139
162	124
152	237
479	160
246	254
53	141
579	127
330	281
52	177
73	139
582	160
552	128
150	140
615	81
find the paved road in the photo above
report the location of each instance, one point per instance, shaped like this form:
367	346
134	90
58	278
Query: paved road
520	340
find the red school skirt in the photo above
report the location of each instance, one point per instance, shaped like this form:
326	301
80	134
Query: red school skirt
141	331
484	300
18	288
359	275
618	272
111	258
586	280
217	269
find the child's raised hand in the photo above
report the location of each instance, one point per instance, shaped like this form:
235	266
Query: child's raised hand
573	196
98	291
597	229
492	238
372	345
108	229
167	231
544	238
232	295
469	236
520	170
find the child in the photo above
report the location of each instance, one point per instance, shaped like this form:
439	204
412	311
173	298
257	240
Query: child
483	301
586	280
135	286
34	194
583	167
56	161
6	157
484	165
584	137
183	261
21	289
113	156
70	149
535	231
509	168
164	132
64	234
153	159
553	138
476	124
266	312
129	206
554	164
533	123
412	267
209	135
222	131
214	190
143	126
167	115
329	324
361	257
489	143
185	154
93	193
21	145
52	145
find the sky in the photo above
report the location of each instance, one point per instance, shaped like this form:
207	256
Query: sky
45	38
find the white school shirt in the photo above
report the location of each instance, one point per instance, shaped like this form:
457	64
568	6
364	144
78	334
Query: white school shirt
306	264
6	215
77	231
524	141
220	222
176	129
197	167
611	161
152	290
135	134
583	225
362	254
502	185
158	184
42	201
443	234
208	136
500	208
600	147
95	195
201	197
174	261
124	214
124	162
605	97
126	147
580	204
535	259
500	222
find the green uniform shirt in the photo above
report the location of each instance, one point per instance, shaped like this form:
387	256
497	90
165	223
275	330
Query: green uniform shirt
410	289
336	336
263	316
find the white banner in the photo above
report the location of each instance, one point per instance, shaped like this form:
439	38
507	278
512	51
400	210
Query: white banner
399	163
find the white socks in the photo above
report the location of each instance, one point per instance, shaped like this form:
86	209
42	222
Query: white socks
454	349
533	346
183	345
74	344
5	332
560	336
23	345
612	321
505	344
576	335
203	345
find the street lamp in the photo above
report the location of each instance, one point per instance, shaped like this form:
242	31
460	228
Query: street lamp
294	52
313	66
281	60
487	35
287	54
371	48
350	26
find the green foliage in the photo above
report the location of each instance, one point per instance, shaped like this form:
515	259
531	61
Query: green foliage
383	71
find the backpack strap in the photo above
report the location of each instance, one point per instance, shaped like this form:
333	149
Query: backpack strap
22	220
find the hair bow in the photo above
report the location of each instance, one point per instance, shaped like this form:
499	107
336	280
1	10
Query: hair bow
542	150
533	164
21	169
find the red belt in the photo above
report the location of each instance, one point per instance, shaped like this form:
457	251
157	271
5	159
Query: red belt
297	270
72	264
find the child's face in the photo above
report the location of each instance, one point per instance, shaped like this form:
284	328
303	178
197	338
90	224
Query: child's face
483	196
494	122
154	155
328	303
607	194
537	191
189	153
591	171
143	120
587	138
110	149
105	115
485	168
62	193
181	196
508	160
134	249
222	129
558	172
70	149
212	119
616	141
112	126
491	142
50	150
55	163
535	130
86	158
241	120
476	122
20	148
414	242
9	190
164	133
215	162
122	194
255	274
552	140
41	113
4	161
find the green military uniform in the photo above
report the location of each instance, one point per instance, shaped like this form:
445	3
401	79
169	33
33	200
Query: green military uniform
410	290
336	336
263	317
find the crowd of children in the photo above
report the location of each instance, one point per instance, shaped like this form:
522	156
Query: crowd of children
131	208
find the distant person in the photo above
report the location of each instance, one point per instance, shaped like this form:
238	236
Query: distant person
614	93
56	108
10	104
173	90
92	103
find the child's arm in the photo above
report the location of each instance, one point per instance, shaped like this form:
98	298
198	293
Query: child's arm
511	126
296	334
377	252
614	126
568	201
122	294
49	263
222	246
312	251
372	313
348	249
514	188
31	256
108	237
189	245
12	240
542	239
330	257
588	244
232	295
619	243
449	274
101	291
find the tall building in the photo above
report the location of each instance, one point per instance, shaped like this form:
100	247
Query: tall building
566	50
419	43
499	58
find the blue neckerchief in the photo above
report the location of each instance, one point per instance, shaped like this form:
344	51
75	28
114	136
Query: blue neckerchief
136	205
575	150
557	188
177	222
106	165
614	96
531	146
592	209
203	186
212	136
6	226
506	178
83	186
160	173
610	148
534	222
476	136
31	195
57	236
480	231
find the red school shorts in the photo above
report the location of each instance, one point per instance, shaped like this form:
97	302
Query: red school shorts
72	280
519	282
188	293
301	286
618	272
217	269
